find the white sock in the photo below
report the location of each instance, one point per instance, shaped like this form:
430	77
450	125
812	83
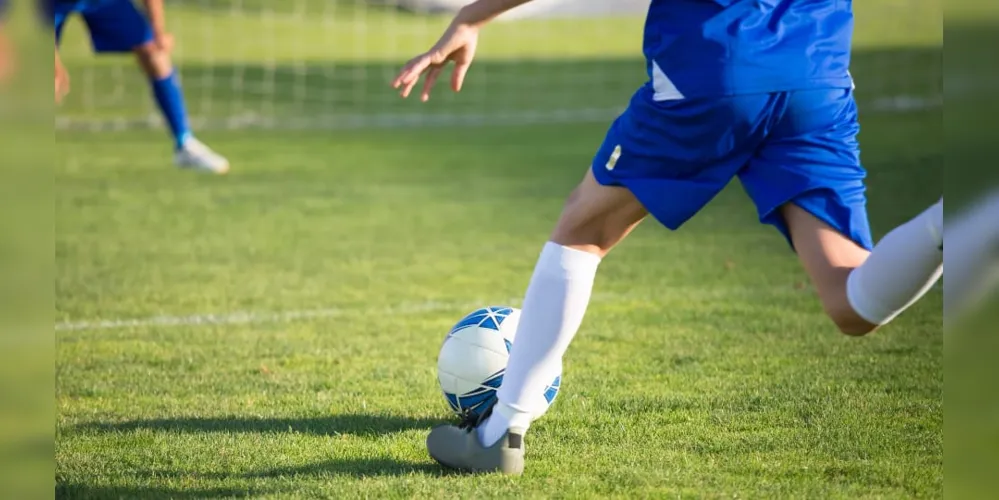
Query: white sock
553	309
972	256
902	268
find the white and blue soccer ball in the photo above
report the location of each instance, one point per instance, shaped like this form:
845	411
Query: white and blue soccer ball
473	359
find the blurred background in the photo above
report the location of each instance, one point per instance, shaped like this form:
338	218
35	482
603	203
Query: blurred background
327	64
971	74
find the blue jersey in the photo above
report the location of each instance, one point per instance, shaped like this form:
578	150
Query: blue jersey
704	48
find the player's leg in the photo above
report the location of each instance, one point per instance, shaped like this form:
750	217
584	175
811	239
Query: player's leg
594	220
646	165
807	180
863	290
117	26
158	68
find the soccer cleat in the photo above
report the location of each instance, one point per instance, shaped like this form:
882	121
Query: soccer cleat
458	447
194	154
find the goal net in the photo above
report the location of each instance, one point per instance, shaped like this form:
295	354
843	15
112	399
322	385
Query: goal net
328	63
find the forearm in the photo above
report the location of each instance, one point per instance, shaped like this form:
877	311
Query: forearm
482	11
157	17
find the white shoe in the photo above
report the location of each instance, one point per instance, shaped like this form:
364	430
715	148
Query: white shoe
196	155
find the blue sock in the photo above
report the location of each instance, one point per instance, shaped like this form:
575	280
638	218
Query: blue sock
170	99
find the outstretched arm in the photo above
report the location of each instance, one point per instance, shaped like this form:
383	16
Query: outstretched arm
481	12
457	44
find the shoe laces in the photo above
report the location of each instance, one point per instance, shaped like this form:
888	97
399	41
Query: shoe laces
471	420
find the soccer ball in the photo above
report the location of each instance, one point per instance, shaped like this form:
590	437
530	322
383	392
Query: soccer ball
473	359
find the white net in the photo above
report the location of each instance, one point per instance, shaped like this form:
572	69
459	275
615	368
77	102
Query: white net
327	63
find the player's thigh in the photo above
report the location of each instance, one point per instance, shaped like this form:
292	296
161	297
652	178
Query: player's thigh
596	217
117	26
675	156
808	182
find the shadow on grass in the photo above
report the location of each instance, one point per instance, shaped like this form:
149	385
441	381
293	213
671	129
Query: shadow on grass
355	424
77	490
353	467
358	467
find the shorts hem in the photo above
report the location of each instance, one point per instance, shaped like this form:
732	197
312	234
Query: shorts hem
772	217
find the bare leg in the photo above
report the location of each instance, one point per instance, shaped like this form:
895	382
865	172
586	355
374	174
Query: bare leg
155	63
594	220
862	290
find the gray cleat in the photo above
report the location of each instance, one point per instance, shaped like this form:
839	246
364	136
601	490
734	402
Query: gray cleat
458	447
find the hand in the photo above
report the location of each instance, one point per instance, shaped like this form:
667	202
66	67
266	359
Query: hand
61	80
164	41
457	44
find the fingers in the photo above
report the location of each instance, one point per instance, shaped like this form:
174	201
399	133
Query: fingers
428	83
458	76
410	74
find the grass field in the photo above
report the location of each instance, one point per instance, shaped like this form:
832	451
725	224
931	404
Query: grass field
273	333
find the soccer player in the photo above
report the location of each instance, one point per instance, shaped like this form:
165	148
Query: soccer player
754	89
117	26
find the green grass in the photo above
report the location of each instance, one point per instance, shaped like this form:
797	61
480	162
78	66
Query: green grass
705	367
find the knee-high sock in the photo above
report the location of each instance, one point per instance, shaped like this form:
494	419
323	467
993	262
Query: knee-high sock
553	309
170	99
902	268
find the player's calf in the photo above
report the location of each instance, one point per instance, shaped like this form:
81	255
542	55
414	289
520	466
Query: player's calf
829	258
862	290
837	306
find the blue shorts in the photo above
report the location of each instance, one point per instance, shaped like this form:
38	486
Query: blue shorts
114	25
785	147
